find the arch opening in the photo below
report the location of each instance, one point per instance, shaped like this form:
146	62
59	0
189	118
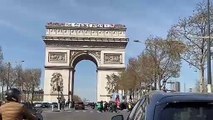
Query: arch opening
85	80
84	56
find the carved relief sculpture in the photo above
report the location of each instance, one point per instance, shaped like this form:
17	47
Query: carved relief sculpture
57	57
112	58
56	81
97	54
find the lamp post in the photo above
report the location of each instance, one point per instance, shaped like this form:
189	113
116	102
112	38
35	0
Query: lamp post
209	53
8	75
2	89
58	89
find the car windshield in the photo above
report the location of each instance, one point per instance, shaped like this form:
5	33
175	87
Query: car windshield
187	111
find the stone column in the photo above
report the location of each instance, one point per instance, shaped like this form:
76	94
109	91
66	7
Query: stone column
72	76
102	93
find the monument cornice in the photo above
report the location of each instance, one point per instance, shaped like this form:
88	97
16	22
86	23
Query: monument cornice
92	39
111	68
85	44
58	67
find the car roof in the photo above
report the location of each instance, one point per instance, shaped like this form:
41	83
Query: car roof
160	97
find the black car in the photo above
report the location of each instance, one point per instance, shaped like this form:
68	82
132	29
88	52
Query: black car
172	106
45	105
79	105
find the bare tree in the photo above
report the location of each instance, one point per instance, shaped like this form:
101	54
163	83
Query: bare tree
26	84
166	62
159	62
3	78
30	82
18	71
147	71
126	82
36	75
10	76
192	32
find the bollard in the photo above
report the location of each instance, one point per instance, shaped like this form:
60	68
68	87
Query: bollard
69	106
58	106
52	107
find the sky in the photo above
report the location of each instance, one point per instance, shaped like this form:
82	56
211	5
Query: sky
22	25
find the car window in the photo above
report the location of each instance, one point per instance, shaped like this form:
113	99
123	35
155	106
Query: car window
187	111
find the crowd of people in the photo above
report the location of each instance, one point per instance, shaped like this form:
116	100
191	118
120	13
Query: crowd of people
113	106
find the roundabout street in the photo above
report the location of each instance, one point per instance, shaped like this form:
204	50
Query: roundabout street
87	114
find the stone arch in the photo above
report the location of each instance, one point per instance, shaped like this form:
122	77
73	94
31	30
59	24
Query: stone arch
64	51
84	56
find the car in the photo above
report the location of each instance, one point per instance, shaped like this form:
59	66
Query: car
46	105
35	111
38	105
54	104
159	105
79	105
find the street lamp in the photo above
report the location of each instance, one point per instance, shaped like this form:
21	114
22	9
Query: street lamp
19	75
8	75
209	53
137	41
58	89
2	89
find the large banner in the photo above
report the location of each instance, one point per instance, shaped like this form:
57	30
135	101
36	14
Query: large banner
87	25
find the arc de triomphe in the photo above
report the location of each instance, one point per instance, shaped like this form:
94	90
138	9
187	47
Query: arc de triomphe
69	43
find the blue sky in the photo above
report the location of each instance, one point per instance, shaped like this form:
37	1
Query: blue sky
22	25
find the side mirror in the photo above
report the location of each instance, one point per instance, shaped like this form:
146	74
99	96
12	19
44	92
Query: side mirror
118	117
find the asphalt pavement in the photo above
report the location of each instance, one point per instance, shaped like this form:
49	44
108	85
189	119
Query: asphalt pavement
87	114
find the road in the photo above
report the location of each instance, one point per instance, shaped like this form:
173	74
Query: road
88	114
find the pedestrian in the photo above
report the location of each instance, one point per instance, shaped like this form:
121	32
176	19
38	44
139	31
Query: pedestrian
63	104
114	107
13	109
117	100
105	106
101	106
